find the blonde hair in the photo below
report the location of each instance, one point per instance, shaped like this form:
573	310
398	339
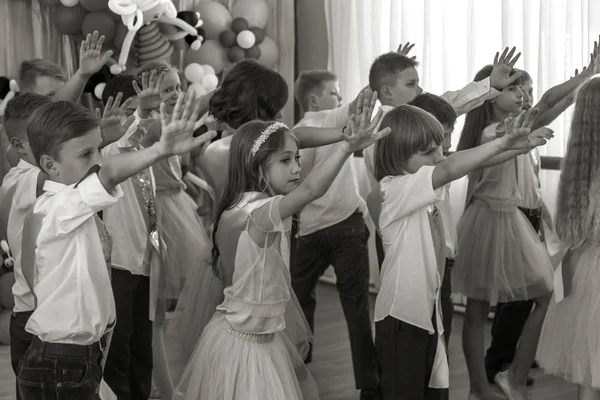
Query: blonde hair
577	212
413	130
310	82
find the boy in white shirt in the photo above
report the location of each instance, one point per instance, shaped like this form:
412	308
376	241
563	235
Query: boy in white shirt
332	231
75	305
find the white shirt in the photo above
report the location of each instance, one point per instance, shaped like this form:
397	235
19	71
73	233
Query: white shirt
410	279
21	181
75	304
342	199
127	221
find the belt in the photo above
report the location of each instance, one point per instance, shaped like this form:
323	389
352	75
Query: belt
72	350
531	212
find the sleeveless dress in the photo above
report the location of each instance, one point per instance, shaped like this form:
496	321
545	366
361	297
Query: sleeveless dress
251	349
569	345
500	258
180	225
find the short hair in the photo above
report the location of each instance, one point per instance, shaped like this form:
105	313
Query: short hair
309	82
413	130
524	76
158	66
436	106
19	109
56	123
31	70
249	91
386	66
119	83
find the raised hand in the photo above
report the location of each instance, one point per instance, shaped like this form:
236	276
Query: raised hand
361	133
177	129
518	132
356	104
405	49
503	65
149	94
91	58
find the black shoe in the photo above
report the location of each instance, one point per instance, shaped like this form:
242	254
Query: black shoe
530	381
535	365
370	394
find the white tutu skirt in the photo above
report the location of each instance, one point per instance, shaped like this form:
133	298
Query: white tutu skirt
184	236
569	345
500	257
231	365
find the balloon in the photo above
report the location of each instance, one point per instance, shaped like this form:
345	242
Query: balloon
120	33
210	82
227	38
208	70
211	53
50	3
269	53
235	54
69	3
6	283
68	20
99	89
246	39
4	86
194	72
239	24
198	88
259	35
94	5
256	12
253	52
216	18
101	22
5	326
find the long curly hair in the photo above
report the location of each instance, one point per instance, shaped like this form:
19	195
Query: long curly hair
249	92
577	212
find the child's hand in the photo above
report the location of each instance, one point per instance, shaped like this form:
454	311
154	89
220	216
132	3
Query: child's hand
177	131
149	94
110	121
404	50
518	133
500	78
361	130
115	108
91	59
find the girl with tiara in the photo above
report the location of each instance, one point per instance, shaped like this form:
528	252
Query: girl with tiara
500	258
570	340
243	352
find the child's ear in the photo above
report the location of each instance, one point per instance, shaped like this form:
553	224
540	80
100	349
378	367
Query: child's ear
313	104
17	144
48	165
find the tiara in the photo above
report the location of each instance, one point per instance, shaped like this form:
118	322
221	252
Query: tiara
274	127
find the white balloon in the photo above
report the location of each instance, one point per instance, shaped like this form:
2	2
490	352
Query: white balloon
210	82
208	70
99	89
246	39
198	88
194	73
69	3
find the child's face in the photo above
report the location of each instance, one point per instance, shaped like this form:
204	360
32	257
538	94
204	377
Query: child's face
433	156
75	158
47	86
284	167
527	89
170	89
329	99
406	88
510	100
447	143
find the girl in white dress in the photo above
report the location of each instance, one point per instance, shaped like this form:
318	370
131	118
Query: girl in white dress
251	349
570	340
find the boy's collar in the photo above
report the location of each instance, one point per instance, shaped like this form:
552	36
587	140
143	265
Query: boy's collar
53	186
385	108
25	165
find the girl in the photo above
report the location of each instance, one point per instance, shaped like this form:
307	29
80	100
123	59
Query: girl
500	257
413	176
570	341
243	352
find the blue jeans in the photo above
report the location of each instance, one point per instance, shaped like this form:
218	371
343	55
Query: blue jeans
53	371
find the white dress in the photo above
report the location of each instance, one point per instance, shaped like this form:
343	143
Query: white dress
251	349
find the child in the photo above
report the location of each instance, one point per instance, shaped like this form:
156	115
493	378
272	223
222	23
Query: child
332	231
243	353
500	258
568	345
412	174
70	270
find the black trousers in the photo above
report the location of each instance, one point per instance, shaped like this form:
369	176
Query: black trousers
53	371
128	369
406	356
20	340
344	246
509	320
446	301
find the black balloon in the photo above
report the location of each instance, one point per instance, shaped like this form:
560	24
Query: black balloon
253	52
4	86
259	34
191	17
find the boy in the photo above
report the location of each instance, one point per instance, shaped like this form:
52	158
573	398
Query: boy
75	306
332	231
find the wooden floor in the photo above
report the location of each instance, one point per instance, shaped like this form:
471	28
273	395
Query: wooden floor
332	366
